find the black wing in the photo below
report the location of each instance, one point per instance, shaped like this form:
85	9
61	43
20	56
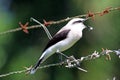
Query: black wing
56	38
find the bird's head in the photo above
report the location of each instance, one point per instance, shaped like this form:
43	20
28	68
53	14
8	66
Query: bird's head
78	22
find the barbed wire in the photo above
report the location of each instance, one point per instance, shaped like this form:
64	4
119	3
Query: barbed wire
89	14
71	62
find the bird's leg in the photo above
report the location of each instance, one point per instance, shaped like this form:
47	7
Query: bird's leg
61	54
60	57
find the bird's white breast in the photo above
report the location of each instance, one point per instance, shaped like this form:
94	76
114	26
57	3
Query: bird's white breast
73	36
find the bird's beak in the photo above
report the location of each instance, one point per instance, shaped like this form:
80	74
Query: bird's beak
89	27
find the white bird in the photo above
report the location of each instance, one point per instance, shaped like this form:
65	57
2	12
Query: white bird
65	38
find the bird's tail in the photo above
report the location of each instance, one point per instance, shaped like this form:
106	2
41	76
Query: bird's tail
33	70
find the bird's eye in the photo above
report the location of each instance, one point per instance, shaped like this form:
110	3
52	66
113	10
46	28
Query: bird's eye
77	22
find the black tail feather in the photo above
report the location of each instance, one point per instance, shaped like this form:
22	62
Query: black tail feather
38	63
33	70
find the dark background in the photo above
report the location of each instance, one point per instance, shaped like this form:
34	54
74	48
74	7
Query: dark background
18	49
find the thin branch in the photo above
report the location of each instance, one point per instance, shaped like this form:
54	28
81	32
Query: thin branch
101	13
71	62
44	27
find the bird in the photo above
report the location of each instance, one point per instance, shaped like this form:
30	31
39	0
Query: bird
65	38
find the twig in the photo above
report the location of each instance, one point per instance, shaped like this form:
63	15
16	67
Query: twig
44	27
71	63
103	12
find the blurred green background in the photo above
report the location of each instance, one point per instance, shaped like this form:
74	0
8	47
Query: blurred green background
18	49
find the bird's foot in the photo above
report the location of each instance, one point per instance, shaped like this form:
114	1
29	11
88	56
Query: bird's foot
73	62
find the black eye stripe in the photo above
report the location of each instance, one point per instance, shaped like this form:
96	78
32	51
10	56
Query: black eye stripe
77	22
